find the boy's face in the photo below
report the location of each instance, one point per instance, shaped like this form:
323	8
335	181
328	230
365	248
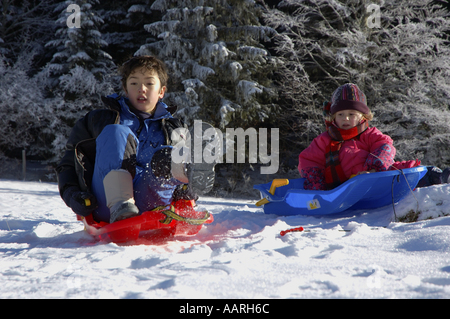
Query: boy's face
144	90
348	119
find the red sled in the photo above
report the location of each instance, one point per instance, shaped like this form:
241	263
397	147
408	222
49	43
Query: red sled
178	219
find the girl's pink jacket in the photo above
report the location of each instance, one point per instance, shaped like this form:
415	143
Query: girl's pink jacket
371	150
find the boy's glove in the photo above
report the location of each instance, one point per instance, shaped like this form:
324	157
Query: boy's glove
82	203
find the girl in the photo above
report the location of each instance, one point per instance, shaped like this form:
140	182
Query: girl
349	146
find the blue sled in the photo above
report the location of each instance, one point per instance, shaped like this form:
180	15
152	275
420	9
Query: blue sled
366	191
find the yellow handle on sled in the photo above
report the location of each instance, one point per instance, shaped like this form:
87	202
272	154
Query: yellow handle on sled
262	202
278	183
275	183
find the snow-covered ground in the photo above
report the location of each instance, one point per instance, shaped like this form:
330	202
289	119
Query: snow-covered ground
44	253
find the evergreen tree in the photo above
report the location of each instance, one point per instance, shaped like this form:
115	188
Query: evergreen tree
79	72
220	71
123	27
395	51
78	46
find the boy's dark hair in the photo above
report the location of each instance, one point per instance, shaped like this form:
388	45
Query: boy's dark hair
150	63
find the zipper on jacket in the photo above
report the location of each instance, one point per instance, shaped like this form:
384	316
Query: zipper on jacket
141	126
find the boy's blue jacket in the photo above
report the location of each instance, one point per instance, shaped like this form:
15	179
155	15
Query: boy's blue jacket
77	165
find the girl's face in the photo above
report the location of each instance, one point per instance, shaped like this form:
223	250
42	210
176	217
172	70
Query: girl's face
144	90
348	119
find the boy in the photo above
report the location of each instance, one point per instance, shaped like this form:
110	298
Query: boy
118	160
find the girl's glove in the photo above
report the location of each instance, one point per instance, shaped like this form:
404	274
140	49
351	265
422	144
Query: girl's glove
314	178
381	159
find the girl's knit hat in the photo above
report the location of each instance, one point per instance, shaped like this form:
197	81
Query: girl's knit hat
349	97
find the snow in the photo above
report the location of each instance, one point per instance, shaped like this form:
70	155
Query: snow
44	253
247	89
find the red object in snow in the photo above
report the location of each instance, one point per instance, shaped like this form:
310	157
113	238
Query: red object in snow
179	218
284	232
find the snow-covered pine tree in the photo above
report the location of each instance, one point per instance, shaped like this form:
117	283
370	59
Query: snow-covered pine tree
220	71
123	29
78	46
396	51
79	71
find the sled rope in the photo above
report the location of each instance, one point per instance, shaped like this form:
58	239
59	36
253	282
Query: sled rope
392	187
171	215
392	194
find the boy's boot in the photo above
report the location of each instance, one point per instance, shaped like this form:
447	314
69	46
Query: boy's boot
200	173
445	176
118	186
